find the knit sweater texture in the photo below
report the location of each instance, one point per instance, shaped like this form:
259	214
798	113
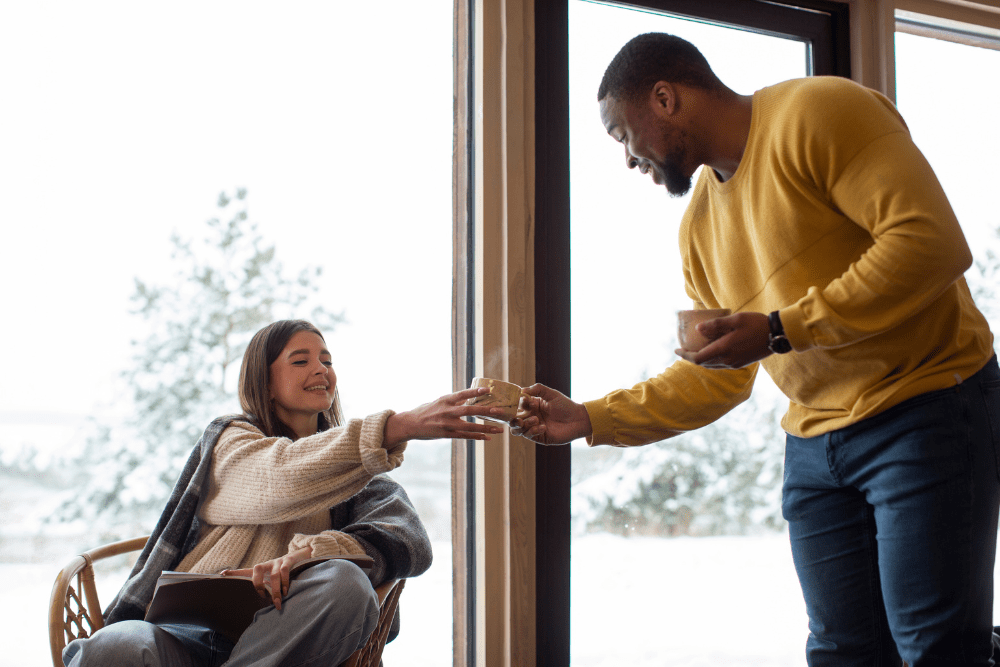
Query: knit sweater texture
368	513
271	495
835	219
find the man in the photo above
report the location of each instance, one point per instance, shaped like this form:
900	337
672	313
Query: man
819	224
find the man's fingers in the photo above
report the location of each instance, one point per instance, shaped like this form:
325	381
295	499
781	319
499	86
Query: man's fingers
536	390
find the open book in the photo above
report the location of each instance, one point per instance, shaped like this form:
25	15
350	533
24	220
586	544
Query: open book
226	604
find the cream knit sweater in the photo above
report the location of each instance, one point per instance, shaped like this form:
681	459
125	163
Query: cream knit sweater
267	496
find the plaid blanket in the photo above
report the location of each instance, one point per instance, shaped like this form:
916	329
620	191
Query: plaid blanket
176	532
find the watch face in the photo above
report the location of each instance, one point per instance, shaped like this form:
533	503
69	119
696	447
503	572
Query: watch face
779	345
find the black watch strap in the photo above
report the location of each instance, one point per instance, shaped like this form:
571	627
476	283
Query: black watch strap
777	342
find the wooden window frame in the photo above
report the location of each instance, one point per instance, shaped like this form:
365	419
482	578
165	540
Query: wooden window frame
512	303
952	21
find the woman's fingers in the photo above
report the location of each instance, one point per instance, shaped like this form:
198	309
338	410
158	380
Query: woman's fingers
267	581
446	417
466	394
245	572
277	586
259	576
272	578
477	411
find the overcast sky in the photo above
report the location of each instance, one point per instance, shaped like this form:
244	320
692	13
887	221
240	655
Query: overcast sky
123	121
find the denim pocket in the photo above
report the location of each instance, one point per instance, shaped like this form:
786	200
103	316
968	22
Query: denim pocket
991	398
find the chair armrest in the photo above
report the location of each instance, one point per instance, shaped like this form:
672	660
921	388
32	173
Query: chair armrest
70	616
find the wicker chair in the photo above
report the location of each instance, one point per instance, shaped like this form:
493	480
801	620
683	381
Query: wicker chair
75	612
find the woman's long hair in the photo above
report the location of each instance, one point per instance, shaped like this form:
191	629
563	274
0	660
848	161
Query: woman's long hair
255	380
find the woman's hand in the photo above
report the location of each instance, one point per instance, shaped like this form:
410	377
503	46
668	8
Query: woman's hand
443	418
265	575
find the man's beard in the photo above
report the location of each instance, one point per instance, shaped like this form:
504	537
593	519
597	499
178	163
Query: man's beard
677	183
675	180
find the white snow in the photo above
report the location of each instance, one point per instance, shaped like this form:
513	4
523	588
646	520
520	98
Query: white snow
685	602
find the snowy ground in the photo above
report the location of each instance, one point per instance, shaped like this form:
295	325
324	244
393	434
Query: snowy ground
643	602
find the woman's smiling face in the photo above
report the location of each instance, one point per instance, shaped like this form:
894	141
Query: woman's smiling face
302	380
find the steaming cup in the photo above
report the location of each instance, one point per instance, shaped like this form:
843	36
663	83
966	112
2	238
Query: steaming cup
687	321
502	394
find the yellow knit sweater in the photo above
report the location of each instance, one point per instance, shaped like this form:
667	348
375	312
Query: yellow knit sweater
268	496
834	218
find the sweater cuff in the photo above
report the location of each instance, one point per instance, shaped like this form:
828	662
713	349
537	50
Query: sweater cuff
796	330
327	543
374	456
600	421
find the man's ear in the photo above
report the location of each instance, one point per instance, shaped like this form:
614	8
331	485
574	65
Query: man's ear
664	98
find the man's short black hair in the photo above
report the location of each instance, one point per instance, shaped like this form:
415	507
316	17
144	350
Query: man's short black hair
652	57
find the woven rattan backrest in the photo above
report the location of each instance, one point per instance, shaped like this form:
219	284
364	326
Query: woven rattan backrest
77	623
75	611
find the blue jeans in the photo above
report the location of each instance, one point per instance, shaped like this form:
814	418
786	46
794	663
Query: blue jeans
893	526
329	611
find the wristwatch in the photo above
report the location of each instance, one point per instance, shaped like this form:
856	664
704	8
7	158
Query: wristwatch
777	342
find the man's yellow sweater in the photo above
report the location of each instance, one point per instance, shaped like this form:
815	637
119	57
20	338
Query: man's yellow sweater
835	219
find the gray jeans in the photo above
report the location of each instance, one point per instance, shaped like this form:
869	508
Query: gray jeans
328	614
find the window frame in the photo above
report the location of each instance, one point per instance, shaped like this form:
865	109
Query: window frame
512	518
963	24
824	26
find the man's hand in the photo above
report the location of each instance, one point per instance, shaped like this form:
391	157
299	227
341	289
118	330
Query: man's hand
549	417
736	341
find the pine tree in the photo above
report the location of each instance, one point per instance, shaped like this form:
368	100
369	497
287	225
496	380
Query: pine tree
983	279
183	372
723	479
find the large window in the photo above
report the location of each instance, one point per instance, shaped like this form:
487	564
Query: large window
956	130
669	531
121	124
567	355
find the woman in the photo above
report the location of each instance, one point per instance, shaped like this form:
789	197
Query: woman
288	479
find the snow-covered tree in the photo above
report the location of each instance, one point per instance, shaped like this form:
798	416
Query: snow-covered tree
723	479
983	279
183	372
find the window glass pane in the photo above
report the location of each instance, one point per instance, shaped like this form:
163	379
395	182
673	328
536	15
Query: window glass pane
121	124
953	122
679	576
955	127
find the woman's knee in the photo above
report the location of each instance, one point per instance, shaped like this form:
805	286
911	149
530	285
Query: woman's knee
351	593
124	643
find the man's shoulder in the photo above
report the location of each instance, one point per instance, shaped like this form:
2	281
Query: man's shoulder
817	86
825	97
816	113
